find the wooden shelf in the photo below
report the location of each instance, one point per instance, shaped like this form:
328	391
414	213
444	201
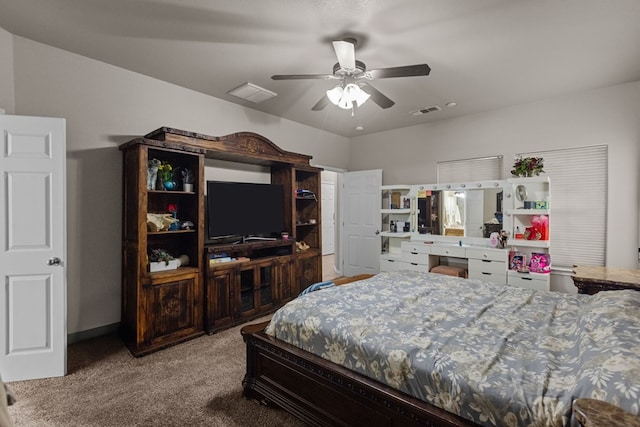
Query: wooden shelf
152	233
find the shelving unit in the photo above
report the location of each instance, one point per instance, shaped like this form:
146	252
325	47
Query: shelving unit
396	216
304	220
165	307
520	218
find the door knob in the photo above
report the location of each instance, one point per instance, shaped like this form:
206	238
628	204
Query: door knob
377	232
54	261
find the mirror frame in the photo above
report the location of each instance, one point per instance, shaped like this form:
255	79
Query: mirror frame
459	186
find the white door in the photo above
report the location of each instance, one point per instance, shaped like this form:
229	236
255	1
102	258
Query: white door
474	213
33	299
360	210
328	217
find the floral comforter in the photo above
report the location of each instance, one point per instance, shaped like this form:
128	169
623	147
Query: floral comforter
490	353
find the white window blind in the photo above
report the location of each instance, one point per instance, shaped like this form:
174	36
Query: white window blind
578	205
478	169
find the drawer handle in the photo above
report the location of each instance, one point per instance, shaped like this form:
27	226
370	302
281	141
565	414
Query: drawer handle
414	253
413	263
391	260
487	274
526	278
485	260
485	255
446	252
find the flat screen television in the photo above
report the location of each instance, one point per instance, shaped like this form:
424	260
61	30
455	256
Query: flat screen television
239	209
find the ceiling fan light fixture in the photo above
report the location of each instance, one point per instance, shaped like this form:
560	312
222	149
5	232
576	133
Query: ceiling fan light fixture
362	97
335	94
345	97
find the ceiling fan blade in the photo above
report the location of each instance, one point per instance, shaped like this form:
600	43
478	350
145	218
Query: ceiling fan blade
406	71
377	96
346	54
303	76
324	101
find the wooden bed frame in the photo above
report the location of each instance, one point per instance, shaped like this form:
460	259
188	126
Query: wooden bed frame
321	393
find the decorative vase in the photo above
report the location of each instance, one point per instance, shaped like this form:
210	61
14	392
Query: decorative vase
187	187
170	185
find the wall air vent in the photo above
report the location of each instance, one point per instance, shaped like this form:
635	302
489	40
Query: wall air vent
422	111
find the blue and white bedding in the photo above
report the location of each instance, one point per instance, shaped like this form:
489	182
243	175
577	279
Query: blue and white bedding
490	353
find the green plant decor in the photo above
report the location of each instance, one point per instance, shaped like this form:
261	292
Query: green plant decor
527	166
158	255
165	172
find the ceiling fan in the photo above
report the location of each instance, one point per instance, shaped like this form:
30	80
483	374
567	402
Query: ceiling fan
354	88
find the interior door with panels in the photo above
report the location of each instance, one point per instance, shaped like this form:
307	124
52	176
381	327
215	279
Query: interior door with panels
33	336
362	223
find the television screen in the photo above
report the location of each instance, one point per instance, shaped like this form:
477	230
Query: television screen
244	209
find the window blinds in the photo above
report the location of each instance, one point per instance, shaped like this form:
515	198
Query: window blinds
578	205
478	169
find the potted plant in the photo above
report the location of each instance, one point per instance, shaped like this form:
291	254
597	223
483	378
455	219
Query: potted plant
165	175
160	260
187	179
527	166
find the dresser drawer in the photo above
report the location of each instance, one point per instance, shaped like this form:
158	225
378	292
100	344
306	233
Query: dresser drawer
415	247
482	266
488	254
392	265
446	250
416	258
500	278
416	267
529	281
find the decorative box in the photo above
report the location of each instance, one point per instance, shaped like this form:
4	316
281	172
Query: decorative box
162	265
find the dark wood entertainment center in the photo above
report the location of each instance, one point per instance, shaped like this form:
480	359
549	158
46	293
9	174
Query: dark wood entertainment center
167	307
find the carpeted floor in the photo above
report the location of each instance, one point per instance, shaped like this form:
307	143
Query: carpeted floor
197	383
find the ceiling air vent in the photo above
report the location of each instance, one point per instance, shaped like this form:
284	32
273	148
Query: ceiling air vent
422	111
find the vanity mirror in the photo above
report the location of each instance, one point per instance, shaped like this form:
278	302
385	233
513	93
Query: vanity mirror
459	210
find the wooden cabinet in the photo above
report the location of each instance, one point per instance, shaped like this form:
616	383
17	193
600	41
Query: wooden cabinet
220	297
284	278
162	308
165	307
308	271
238	291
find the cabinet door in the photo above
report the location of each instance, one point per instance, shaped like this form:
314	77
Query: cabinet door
257	291
308	272
172	310
221	298
284	279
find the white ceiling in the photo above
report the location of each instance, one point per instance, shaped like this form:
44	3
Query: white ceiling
483	54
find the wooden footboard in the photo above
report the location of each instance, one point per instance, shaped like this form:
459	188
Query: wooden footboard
321	393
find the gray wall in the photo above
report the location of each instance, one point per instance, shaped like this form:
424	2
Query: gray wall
6	71
105	106
608	116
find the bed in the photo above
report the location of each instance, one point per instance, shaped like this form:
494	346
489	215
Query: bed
411	348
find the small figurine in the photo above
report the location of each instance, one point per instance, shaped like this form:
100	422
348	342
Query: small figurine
502	239
152	173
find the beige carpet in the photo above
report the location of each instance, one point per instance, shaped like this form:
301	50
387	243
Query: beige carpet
197	383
